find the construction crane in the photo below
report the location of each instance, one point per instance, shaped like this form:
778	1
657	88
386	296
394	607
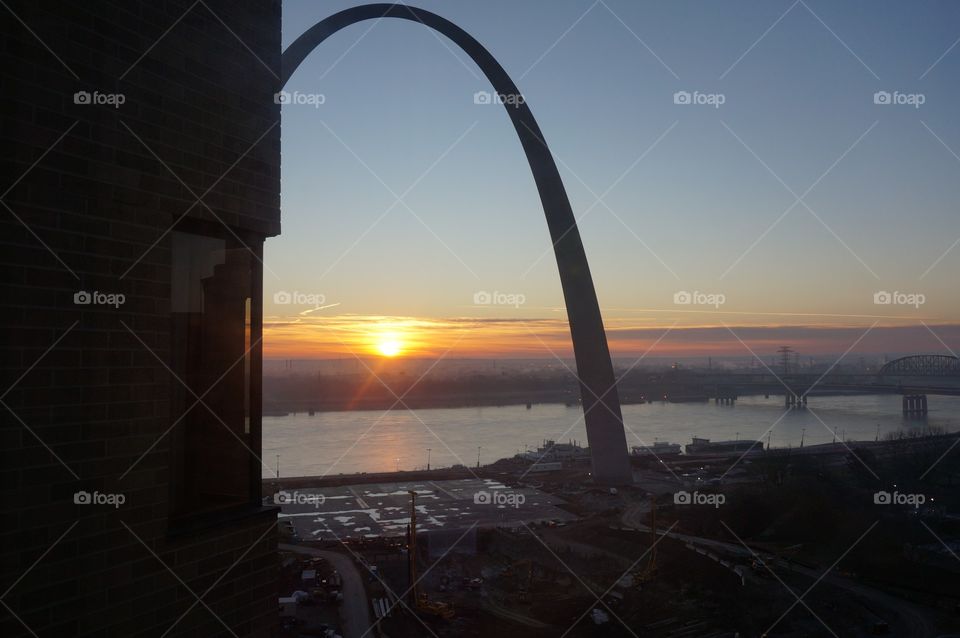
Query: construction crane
419	600
649	572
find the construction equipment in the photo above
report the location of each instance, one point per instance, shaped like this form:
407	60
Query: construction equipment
649	572
418	600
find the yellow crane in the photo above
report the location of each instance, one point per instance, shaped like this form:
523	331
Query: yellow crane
419	600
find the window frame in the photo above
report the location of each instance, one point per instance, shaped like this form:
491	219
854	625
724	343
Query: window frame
185	521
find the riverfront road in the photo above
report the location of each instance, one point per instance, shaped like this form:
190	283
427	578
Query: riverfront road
355	609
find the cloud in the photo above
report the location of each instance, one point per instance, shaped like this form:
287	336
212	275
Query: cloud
324	336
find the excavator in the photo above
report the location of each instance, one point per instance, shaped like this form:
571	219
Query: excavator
418	600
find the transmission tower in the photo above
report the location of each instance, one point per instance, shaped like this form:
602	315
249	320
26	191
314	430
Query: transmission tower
785	352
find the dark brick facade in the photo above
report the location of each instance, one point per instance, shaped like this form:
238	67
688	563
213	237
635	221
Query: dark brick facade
90	191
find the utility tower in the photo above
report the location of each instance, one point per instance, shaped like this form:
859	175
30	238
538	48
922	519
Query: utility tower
785	352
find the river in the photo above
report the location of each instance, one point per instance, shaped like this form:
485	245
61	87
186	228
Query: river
378	441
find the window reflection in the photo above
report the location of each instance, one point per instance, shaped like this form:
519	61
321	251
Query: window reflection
213	347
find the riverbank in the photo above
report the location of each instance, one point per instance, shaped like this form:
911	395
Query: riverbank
512	466
286	408
366	478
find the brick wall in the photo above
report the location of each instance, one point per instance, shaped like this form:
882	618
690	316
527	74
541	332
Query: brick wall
92	191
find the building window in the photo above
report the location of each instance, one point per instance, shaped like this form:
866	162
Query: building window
216	284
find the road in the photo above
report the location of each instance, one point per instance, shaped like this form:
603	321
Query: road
637	514
355	609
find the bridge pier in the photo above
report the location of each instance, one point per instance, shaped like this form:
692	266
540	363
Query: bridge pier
914	405
795	401
724	395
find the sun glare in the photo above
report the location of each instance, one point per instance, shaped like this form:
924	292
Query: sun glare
389	347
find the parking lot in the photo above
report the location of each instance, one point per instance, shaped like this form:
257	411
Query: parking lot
372	510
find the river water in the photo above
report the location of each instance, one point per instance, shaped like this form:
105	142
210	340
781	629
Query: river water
378	441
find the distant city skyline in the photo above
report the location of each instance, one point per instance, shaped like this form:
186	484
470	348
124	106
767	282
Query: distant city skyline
774	172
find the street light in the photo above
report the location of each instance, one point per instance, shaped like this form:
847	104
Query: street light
479	447
428	458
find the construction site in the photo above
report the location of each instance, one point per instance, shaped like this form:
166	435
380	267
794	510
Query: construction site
782	544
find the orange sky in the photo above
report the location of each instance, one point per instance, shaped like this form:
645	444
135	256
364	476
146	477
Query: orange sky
322	337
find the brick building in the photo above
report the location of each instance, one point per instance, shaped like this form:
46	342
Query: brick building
141	175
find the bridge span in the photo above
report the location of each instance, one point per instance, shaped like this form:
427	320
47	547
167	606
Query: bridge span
914	377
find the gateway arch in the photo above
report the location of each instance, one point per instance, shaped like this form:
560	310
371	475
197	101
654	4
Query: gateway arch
601	403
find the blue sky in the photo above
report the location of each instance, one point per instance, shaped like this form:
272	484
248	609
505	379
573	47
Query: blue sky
699	208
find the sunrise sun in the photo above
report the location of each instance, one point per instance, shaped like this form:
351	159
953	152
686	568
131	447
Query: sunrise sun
389	347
